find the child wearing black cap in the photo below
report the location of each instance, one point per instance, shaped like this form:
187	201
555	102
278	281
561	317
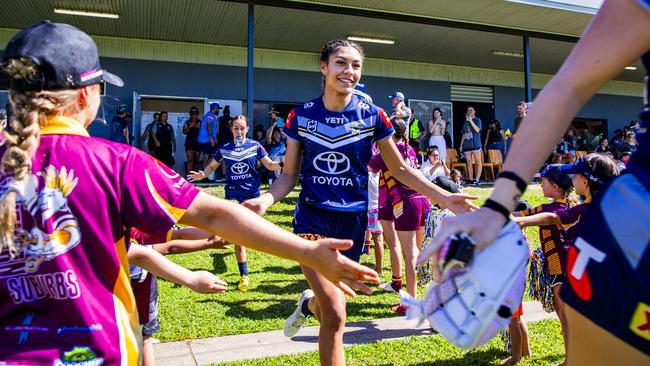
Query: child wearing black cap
558	187
590	173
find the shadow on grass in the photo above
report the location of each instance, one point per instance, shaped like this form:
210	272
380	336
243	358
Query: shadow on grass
293	270
219	262
238	309
367	332
490	356
293	288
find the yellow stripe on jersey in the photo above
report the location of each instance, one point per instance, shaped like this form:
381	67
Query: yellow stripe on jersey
126	312
60	125
174	213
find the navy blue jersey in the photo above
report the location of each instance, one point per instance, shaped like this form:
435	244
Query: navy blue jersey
243	180
336	148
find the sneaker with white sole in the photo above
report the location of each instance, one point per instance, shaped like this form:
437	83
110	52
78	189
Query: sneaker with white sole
297	320
387	287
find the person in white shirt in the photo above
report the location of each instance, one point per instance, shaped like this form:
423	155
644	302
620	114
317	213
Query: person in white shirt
433	167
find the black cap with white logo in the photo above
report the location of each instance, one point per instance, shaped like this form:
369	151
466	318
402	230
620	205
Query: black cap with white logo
67	58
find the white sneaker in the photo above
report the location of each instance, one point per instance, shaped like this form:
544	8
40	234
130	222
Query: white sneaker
387	286
297	320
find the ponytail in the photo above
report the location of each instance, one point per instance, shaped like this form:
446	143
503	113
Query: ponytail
21	139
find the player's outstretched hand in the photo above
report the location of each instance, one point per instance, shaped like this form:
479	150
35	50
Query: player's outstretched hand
216	242
482	225
194	176
205	282
346	274
459	203
257	205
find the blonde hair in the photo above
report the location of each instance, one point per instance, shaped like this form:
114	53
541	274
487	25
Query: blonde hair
31	109
571	198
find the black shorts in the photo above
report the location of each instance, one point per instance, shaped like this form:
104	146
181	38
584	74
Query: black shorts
207	148
608	265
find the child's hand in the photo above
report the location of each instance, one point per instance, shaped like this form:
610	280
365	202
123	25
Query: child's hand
216	242
205	282
196	176
346	274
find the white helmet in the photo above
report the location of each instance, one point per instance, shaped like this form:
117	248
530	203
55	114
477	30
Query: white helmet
475	301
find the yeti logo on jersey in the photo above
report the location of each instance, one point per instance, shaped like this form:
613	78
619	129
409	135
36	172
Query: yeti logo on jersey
332	163
312	126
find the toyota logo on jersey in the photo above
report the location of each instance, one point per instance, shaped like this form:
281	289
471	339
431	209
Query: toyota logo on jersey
239	168
332	162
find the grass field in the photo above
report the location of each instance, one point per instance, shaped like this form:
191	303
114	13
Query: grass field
275	287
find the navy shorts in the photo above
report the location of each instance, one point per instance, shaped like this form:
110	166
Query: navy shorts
316	222
608	265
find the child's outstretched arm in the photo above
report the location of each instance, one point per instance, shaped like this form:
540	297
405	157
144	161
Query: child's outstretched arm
200	281
544	218
188	240
181	246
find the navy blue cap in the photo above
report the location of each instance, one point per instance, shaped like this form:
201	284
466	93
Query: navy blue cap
581	166
122	108
67	58
194	110
554	173
215	105
398	95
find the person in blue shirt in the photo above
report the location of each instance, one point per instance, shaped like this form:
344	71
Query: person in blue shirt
208	132
276	147
276	119
607	292
241	158
119	125
329	146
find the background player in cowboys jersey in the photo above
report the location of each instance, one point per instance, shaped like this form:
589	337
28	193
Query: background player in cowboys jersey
328	148
241	157
608	267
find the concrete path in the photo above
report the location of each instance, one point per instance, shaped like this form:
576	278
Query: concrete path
257	345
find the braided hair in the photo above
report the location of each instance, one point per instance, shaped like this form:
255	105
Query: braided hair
31	109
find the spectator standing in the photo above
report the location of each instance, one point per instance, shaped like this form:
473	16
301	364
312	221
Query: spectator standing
208	133
225	134
437	128
277	120
148	135
277	148
495	138
119	126
165	140
521	113
400	110
470	145
191	130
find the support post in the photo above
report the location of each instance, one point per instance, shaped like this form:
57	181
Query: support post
528	97
250	80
